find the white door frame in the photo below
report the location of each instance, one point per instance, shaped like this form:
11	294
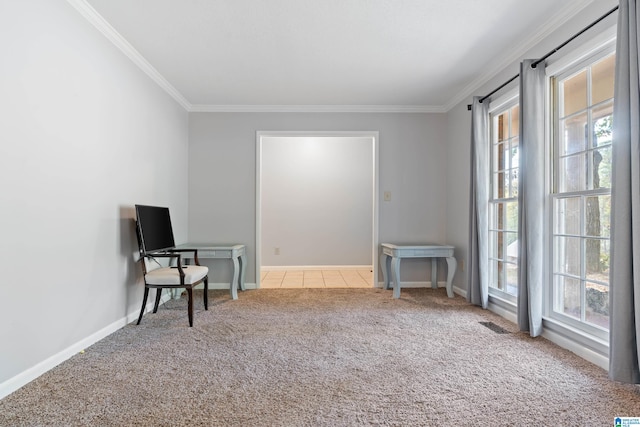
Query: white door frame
260	135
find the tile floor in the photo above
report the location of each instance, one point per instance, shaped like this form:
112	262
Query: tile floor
316	279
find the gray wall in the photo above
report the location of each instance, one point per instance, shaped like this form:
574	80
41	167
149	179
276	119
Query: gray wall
316	200
84	136
222	176
459	126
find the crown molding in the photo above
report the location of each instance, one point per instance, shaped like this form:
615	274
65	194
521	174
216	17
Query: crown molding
91	15
317	109
560	18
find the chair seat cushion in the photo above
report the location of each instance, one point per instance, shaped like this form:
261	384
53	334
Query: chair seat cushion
171	276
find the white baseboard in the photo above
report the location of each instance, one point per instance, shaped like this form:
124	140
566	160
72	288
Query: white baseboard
460	291
25	377
503	312
314	267
563	337
225	285
423	284
574	347
415	284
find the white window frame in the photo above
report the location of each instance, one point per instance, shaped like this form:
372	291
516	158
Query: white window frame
597	48
501	104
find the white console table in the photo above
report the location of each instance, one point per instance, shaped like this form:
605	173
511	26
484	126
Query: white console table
236	253
393	254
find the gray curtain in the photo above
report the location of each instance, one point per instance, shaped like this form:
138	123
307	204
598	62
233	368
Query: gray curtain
478	264
531	197
624	296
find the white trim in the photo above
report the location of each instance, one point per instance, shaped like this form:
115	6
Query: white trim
374	135
225	285
91	15
314	267
577	346
456	290
570	339
421	284
460	291
503	312
220	285
561	17
201	108
25	377
505	99
601	41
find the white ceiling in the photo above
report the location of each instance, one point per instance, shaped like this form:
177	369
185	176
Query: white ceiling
404	55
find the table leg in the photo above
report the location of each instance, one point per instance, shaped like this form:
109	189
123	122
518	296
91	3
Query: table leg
384	265
243	269
234	280
395	275
434	273
452	264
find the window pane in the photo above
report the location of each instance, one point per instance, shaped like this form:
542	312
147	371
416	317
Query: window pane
505	156
515	121
514	160
597	302
511	216
492	273
512	278
567	296
573	134
500	245
497	281
572	175
498	216
597	259
498	185
598	215
602	78
574	92
503	126
567	216
602	124
601	161
512	247
567	255
493	244
500	159
513	183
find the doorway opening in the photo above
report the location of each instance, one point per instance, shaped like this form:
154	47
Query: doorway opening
316	209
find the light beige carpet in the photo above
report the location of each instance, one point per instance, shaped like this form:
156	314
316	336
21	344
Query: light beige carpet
322	357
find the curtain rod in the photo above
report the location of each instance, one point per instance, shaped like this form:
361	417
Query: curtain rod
578	34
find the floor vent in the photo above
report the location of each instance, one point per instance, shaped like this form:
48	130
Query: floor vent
495	328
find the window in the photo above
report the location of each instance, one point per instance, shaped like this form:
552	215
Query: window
581	193
503	201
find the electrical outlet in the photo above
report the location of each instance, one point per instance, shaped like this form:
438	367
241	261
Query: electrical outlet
276	251
387	196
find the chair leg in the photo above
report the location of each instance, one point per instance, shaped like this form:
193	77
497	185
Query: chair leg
206	293
190	305
144	303
158	295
